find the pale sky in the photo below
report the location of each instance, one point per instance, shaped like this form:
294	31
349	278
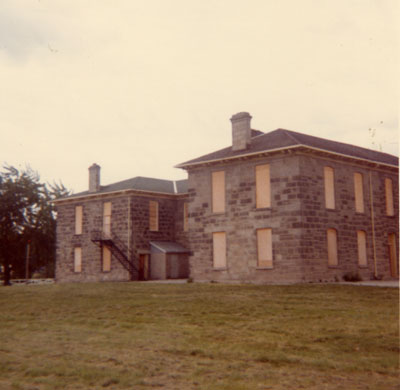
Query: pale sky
140	86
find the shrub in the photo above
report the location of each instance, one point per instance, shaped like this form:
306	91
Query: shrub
352	277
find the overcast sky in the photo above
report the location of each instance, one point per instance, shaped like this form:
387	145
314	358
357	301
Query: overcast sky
140	86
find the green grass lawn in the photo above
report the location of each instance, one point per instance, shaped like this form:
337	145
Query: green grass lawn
198	336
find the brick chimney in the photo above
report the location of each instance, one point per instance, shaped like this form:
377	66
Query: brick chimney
241	131
94	178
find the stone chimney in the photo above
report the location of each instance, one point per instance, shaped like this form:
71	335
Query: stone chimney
94	178
241	131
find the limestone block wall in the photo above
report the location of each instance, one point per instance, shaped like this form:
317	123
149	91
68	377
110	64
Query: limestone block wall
344	218
129	222
242	219
298	218
67	240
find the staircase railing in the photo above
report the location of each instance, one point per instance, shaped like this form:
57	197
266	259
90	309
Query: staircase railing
118	249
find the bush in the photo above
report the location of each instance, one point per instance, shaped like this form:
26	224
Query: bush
352	277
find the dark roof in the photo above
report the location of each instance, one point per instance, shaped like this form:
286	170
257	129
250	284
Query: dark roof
140	183
281	139
169	247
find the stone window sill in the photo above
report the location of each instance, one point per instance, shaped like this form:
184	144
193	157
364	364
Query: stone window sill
263	208
220	269
264	268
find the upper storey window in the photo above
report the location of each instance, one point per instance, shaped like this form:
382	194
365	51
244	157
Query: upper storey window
153	216
389	197
107	218
263	189
329	188
78	219
358	192
332	247
218	192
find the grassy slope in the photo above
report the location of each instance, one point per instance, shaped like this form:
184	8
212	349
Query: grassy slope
142	336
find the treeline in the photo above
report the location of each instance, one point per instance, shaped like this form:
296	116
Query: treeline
27	224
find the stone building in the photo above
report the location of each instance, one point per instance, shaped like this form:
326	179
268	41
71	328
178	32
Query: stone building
273	207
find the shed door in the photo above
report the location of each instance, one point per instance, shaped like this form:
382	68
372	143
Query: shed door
393	255
143	267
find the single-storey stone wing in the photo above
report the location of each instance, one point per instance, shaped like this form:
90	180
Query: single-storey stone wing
272	207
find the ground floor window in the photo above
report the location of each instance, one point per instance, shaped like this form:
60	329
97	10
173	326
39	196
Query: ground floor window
106	259
332	247
264	248
78	259
393	255
362	248
219	250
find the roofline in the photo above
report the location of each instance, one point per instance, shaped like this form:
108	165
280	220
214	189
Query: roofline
121	192
184	165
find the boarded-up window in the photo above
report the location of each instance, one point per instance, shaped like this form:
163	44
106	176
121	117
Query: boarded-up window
332	247
107	219
264	248
78	219
394	272
77	259
358	192
329	188
219	249
153	215
106	259
263	190
185	216
218	192
362	248
389	197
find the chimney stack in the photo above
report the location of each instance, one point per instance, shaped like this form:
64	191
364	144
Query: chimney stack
94	178
241	131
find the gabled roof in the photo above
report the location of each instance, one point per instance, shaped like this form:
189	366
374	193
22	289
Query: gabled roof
287	139
139	183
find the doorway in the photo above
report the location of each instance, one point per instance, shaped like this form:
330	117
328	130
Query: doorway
143	267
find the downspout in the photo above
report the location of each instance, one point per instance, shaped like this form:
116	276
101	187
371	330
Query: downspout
371	199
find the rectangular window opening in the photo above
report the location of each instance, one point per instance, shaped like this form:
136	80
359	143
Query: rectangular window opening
264	248
389	197
358	192
332	247
153	215
219	250
106	259
218	192
78	219
329	188
362	248
263	187
107	219
78	259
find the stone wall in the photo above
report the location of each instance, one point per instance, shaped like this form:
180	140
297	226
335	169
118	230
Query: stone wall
317	219
242	219
91	253
129	222
298	218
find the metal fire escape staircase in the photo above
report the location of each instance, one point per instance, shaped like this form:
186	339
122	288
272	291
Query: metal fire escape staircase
118	249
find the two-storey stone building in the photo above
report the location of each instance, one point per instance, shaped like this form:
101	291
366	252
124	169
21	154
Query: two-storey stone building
275	207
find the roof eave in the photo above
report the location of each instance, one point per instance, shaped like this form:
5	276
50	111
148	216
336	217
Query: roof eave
270	151
119	192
